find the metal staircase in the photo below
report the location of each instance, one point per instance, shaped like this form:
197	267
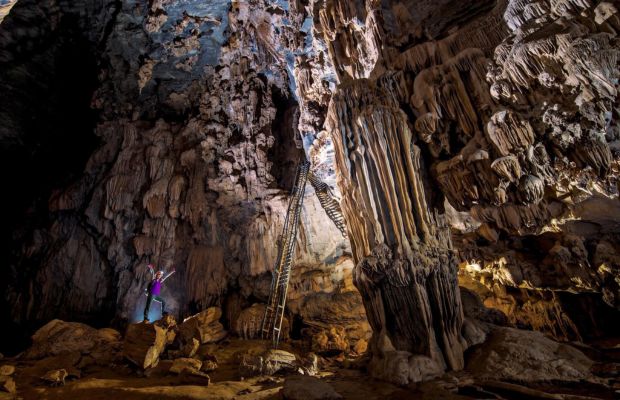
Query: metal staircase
274	313
329	204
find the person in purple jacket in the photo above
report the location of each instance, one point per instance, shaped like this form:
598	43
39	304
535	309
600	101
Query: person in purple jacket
154	289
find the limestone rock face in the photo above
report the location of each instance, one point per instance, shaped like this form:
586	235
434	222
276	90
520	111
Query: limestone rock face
193	138
553	151
249	323
329	305
328	341
144	343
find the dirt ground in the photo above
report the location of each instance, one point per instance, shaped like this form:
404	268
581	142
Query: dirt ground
126	382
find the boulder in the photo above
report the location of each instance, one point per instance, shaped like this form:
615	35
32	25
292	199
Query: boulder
181	365
328	341
58	337
527	356
7	384
277	360
209	366
473	331
268	363
310	364
189	348
55	377
204	326
167	322
144	343
303	387
360	346
7	370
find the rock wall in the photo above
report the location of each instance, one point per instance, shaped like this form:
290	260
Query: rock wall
196	141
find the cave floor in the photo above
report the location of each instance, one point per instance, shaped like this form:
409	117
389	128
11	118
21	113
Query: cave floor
123	382
102	382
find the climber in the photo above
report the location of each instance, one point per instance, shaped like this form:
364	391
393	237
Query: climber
154	288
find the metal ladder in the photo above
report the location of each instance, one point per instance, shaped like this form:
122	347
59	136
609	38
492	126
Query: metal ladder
329	204
274	312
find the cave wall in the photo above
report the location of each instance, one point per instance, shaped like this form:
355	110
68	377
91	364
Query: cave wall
499	116
195	136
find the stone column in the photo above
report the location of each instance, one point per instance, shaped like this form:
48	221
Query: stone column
405	268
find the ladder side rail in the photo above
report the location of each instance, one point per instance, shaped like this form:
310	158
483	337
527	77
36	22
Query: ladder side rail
291	252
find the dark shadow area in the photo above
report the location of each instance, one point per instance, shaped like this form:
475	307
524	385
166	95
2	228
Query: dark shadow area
47	136
284	153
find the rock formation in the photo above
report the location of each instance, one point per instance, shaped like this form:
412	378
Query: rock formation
509	108
188	163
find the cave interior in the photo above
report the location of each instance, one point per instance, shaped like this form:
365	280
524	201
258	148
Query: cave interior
346	199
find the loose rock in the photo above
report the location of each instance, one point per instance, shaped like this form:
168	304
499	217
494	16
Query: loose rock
58	337
7	384
181	365
308	388
55	377
527	356
144	343
204	326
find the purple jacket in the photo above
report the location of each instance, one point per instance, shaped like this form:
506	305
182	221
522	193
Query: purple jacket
156	287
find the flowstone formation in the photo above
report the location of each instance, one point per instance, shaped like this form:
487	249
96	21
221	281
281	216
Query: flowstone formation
406	271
